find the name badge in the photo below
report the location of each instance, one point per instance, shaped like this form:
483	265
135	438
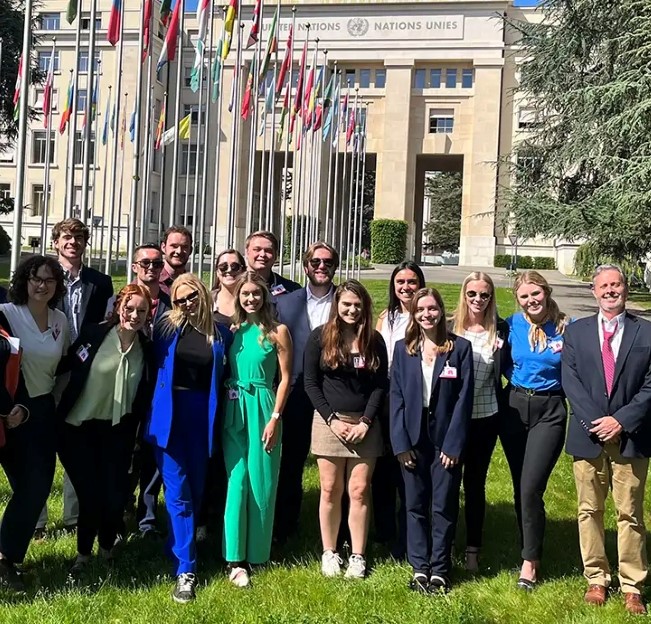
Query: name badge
278	289
82	353
449	372
358	361
499	343
556	346
56	330
233	394
14	345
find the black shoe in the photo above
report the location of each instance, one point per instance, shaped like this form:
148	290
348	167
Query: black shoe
420	583
70	528
39	534
439	584
151	535
10	577
184	589
526	584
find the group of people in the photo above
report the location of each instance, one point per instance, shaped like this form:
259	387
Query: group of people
220	395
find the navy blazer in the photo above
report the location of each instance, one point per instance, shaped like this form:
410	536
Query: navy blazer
450	406
159	422
292	312
280	286
585	386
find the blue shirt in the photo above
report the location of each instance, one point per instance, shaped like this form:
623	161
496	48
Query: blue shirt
534	370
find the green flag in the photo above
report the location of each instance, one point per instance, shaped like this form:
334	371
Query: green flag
71	12
217	71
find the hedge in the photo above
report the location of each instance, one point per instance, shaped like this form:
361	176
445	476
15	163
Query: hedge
388	241
525	262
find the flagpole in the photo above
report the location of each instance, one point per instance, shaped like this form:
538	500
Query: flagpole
357	158
343	184
177	116
254	70
187	168
351	182
114	158
95	158
195	197
48	153
319	154
149	134
269	215
310	194
261	198
283	219
104	181
361	208
336	241
122	129
163	159
328	218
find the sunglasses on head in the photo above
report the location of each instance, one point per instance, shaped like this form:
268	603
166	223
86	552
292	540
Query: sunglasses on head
189	299
235	267
145	264
484	296
328	263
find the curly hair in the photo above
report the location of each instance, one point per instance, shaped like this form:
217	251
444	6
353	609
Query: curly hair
123	297
18	292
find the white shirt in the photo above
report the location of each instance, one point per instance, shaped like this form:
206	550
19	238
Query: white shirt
428	374
393	334
617	321
42	351
318	308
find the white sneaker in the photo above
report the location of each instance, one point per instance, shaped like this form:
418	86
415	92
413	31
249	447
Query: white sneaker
201	533
184	588
331	563
239	577
356	567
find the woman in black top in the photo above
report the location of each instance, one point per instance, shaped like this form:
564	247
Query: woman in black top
345	371
229	267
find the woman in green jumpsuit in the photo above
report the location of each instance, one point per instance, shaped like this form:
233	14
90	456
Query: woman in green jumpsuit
251	427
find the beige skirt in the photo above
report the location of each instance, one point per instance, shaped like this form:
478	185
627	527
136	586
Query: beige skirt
326	444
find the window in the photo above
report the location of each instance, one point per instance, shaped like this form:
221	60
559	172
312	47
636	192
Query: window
294	78
195	112
350	77
528	168
435	78
527	118
79	148
38	199
8	155
39	146
50	21
193	158
467	78
441	121
380	78
5	191
364	78
451	78
54	101
419	79
83	61
43	58
85	21
81	100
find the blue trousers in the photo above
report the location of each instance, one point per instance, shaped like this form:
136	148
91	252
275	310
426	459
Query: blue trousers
183	465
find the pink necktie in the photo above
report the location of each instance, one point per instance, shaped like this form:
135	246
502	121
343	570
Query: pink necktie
608	358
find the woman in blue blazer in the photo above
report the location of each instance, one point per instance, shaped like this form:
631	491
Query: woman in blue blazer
190	349
431	397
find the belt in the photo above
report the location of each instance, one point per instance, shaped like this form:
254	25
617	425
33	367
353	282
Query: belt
544	393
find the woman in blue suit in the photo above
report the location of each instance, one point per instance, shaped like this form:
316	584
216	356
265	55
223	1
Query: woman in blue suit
431	397
190	349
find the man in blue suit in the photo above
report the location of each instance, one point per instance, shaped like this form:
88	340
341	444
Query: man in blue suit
607	378
301	311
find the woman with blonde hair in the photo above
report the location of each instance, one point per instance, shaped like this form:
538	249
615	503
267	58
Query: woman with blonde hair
191	352
251	426
431	396
537	414
475	319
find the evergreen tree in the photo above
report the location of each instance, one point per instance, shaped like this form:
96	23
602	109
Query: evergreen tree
444	189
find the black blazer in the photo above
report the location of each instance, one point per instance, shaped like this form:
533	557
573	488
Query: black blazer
585	387
97	289
280	286
92	336
450	406
292	311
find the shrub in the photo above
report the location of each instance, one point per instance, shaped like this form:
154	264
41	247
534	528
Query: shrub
544	263
524	262
588	257
388	241
5	242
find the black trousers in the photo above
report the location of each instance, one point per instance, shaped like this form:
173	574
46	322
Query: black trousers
149	486
29	460
432	500
535	432
97	457
213	505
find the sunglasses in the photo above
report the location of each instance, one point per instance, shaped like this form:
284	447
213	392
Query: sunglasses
184	300
484	296
145	264
328	263
235	267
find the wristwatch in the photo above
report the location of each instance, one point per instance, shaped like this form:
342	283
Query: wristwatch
275	415
330	418
366	420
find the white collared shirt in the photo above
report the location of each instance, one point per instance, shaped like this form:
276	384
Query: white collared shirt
318	308
615	322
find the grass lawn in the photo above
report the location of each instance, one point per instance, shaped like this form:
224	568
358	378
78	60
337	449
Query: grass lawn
292	590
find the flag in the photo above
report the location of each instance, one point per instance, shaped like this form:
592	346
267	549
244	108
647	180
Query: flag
168	51
165	10
146	29
67	109
184	126
255	27
246	99
298	97
327	94
71	12
351	125
123	125
105	129
283	113
195	75
132	126
229	22
217	71
47	90
332	111
309	83
317	118
113	116
93	107
113	32
268	104
203	17
160	128
272	45
169	135
19	79
284	68
314	95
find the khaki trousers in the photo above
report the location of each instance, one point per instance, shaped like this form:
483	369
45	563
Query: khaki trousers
626	477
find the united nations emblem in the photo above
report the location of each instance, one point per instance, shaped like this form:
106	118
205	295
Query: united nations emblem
357	26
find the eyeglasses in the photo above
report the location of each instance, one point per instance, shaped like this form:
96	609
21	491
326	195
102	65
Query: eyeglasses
185	300
38	281
235	267
484	296
145	264
328	263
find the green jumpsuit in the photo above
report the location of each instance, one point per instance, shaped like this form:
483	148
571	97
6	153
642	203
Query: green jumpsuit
252	473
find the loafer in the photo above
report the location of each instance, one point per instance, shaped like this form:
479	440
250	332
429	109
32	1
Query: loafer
633	604
596	595
526	584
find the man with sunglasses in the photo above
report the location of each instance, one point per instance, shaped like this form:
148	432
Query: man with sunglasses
301	311
261	249
147	266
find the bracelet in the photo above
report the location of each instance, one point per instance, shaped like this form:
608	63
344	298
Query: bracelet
275	415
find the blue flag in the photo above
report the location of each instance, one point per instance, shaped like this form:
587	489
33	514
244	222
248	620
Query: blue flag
105	129
132	126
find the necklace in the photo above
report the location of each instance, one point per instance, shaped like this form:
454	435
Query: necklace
429	352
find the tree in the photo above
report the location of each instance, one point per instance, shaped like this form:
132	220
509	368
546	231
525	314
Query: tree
444	189
584	172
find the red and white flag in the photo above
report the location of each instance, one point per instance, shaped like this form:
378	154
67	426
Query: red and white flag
19	81
168	51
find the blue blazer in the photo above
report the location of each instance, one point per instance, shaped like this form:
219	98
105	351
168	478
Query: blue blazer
292	311
450	405
585	386
159	422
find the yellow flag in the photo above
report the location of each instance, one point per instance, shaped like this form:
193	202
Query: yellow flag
184	127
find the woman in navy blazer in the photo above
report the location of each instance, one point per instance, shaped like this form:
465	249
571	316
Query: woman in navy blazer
431	397
190	349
